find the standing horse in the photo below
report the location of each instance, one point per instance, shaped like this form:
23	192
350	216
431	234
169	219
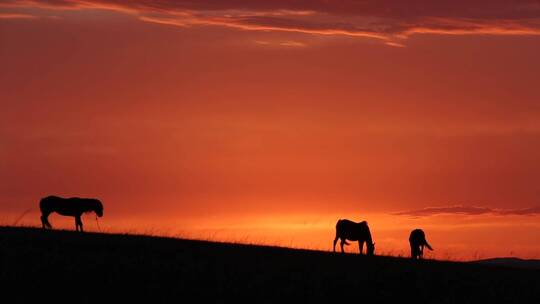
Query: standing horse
349	230
69	207
417	240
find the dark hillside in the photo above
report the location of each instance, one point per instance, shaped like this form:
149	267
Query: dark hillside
512	262
63	266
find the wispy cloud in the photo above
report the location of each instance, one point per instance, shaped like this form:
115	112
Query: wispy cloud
288	43
16	16
468	210
390	21
292	44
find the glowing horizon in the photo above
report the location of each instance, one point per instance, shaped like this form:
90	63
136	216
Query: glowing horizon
390	232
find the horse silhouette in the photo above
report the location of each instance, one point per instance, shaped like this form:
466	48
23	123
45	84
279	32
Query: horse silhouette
73	206
417	240
349	230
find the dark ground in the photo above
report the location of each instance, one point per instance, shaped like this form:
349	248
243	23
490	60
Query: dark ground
65	266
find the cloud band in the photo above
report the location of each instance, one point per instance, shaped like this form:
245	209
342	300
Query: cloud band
390	21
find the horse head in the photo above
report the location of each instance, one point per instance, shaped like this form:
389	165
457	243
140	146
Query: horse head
370	248
98	208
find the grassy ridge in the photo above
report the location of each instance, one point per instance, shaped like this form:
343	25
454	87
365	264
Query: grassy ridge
64	266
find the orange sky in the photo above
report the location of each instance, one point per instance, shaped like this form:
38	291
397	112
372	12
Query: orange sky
266	121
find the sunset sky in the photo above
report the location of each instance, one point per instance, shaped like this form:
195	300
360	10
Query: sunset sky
266	121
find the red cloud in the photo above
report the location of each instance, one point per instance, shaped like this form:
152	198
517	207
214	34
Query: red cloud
391	21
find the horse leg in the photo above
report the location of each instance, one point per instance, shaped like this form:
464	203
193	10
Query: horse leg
342	243
421	254
78	223
44	221
361	247
335	241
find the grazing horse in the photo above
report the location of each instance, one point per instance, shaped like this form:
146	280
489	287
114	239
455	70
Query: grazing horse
69	207
417	240
349	230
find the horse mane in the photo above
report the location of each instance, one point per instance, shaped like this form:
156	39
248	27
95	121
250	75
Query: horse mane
90	204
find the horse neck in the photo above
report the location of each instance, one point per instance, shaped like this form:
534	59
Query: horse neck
368	236
90	207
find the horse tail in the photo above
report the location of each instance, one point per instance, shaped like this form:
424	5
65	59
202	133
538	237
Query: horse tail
43	204
17	220
46	204
427	245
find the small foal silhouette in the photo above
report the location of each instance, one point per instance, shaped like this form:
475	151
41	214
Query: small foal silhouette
417	240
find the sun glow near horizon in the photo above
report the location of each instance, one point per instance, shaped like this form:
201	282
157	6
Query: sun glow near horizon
454	237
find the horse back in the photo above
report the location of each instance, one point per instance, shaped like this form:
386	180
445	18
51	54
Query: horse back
64	206
353	231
